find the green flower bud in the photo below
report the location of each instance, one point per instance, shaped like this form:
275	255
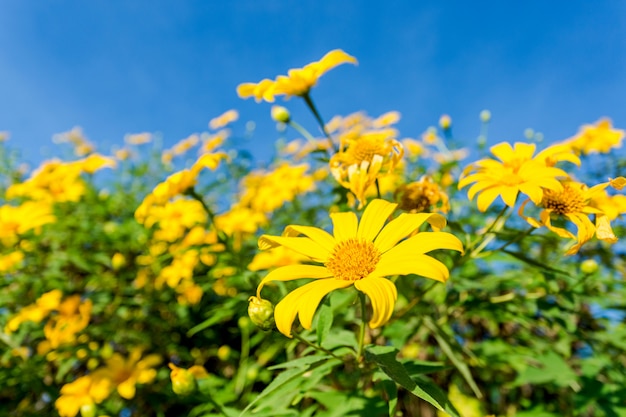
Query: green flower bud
88	410
261	313
589	266
183	381
485	116
280	114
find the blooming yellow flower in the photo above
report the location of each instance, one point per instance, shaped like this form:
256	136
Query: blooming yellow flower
298	82
598	138
83	392
126	373
138	138
360	254
224	119
574	202
517	171
421	196
363	159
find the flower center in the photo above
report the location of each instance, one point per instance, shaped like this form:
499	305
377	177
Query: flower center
419	197
353	259
569	200
365	149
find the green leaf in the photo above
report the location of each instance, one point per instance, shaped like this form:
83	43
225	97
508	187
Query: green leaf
391	389
551	368
324	323
445	343
385	358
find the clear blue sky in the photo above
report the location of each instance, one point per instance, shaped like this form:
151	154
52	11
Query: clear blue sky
117	67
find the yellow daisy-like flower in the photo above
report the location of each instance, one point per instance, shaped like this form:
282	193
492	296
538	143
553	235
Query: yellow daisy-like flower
423	195
574	202
360	254
598	138
224	119
517	171
363	159
298	82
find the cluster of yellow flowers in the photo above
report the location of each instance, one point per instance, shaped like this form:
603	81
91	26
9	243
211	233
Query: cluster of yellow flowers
65	319
180	231
119	373
552	190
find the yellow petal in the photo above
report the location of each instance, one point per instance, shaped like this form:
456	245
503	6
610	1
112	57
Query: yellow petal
383	295
487	197
401	227
509	195
374	217
503	151
302	245
533	191
332	59
291	272
317	235
402	264
618	183
303	301
127	389
603	229
344	225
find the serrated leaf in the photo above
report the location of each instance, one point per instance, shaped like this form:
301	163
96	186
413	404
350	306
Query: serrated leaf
385	358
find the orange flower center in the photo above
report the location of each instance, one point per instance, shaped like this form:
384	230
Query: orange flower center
569	200
353	259
364	150
419	197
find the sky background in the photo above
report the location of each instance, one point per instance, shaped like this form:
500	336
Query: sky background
118	67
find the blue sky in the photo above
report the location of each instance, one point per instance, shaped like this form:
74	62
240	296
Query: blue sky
118	67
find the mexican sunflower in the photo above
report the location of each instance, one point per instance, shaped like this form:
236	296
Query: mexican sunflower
575	203
298	82
516	171
362	254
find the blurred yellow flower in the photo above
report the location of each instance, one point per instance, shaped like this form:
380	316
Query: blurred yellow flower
138	138
517	171
361	160
574	203
224	119
360	254
598	138
422	196
298	82
126	373
83	392
35	312
18	220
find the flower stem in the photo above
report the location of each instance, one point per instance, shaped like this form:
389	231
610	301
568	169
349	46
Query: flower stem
359	356
302	131
320	121
314	346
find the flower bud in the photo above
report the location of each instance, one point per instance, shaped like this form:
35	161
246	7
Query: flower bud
589	266
183	381
88	410
445	122
261	313
280	114
485	116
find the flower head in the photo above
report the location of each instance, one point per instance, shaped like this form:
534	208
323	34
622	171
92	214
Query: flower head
362	254
423	195
298	82
575	202
598	138
516	171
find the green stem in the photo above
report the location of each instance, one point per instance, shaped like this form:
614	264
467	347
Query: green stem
320	121
302	131
220	235
516	238
359	356
314	346
486	237
245	352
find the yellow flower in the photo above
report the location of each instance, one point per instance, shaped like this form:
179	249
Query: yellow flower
298	82
127	373
224	119
83	392
360	254
363	159
517	171
138	138
574	203
598	138
421	196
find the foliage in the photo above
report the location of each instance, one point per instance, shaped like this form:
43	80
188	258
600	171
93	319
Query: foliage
128	280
